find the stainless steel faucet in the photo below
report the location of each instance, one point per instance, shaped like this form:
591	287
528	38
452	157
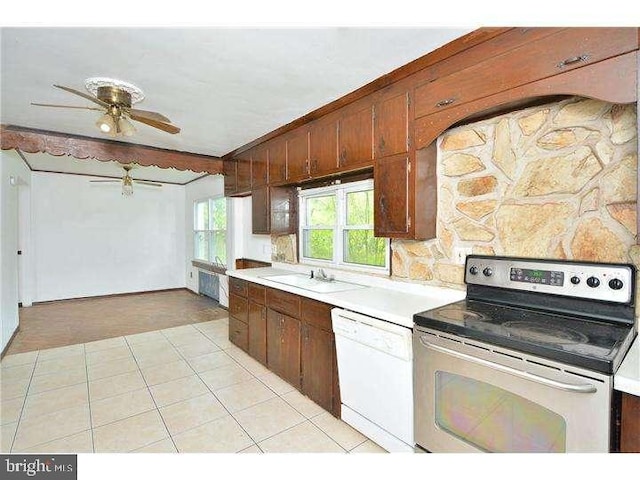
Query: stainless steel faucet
322	276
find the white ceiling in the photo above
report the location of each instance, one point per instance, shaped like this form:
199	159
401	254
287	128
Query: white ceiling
223	86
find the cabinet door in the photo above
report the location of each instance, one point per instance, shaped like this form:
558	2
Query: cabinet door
277	160
323	148
238	307
317	361
258	332
355	139
243	169
290	350
259	166
238	333
298	155
229	172
392	197
630	427
284	210
260	210
391	125
275	321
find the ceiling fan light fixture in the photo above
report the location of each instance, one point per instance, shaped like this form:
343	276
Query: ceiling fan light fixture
106	124
126	127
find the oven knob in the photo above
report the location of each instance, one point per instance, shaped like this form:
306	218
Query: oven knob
575	280
487	272
615	284
473	270
593	282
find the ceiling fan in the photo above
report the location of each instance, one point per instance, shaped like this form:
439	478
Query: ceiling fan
116	99
127	181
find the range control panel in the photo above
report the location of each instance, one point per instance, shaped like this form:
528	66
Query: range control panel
597	281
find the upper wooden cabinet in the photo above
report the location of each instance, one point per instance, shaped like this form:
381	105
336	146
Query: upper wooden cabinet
323	147
298	155
405	195
274	210
277	160
355	138
391	124
243	172
259	166
230	176
540	58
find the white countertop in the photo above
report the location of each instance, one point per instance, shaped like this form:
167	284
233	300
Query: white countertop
627	378
386	303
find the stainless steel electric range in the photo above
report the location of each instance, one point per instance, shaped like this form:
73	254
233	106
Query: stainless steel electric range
525	362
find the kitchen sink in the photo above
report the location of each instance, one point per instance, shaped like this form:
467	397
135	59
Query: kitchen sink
303	281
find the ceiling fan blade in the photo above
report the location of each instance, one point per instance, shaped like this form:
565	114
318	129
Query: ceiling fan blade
65	106
153	123
146	182
83	95
105	181
147	114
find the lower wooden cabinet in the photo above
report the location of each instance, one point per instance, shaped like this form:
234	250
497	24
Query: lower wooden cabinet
630	424
283	346
291	335
239	333
258	332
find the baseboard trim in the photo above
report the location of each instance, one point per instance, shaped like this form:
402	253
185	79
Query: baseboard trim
6	349
142	292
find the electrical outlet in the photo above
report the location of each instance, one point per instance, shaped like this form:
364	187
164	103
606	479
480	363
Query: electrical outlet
460	254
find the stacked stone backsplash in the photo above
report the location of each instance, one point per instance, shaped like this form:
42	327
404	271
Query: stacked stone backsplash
554	181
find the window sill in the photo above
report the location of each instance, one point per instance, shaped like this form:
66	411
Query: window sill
210	267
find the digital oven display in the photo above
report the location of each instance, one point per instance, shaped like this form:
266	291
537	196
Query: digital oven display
544	277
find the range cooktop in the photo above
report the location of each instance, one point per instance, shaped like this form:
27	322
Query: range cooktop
545	308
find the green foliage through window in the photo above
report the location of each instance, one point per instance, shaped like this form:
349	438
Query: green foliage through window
337	226
210	230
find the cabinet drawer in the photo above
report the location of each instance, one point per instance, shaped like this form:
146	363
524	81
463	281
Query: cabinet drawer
237	286
283	302
316	313
239	333
257	293
238	307
568	49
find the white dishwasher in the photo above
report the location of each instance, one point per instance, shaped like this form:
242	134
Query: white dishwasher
376	381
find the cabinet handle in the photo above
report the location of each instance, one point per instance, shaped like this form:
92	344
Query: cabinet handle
444	103
572	60
383	205
381	145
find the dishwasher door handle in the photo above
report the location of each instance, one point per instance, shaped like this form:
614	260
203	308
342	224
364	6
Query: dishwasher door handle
583	388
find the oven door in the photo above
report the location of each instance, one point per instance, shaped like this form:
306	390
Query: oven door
473	397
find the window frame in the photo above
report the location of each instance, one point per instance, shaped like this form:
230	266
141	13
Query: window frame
210	231
340	190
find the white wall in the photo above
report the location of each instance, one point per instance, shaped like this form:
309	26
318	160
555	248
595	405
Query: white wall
255	247
90	240
11	165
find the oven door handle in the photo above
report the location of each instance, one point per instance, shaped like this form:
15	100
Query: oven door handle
584	388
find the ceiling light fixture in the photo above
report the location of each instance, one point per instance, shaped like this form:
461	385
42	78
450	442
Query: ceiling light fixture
127	183
106	123
126	127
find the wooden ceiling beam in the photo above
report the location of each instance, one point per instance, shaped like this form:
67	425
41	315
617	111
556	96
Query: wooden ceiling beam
55	143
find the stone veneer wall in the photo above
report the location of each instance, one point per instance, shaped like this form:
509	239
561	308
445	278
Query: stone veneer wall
555	181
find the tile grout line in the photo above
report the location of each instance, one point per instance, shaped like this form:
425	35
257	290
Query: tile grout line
86	368
213	393
152	399
24	403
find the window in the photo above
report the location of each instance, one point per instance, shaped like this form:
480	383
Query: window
210	230
336	227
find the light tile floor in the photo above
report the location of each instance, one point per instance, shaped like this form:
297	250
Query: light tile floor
182	389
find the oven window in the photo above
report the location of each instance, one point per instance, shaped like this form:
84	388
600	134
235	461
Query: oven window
493	419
